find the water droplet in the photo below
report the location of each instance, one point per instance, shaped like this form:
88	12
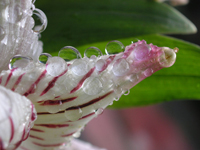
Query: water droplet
69	53
114	47
43	58
92	86
19	61
120	67
40	20
79	67
77	134
73	115
54	108
17	15
92	51
2	33
100	65
126	92
99	111
55	66
116	98
148	72
142	51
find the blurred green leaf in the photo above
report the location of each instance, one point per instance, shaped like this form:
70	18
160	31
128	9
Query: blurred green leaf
86	21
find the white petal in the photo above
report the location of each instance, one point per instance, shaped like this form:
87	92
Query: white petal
16	118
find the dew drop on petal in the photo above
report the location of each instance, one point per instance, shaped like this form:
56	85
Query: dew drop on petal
127	92
54	108
43	58
100	65
116	98
99	111
79	67
92	86
69	53
73	115
55	66
92	51
2	33
114	47
142	51
77	134
40	20
120	67
148	72
19	61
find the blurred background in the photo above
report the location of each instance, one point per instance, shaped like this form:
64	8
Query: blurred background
166	126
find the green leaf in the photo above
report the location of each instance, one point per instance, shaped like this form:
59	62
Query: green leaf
179	82
78	22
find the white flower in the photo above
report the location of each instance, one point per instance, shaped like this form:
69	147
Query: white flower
66	95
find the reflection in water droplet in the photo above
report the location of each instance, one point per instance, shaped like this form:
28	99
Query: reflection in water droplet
99	111
73	115
2	33
120	67
40	20
116	98
114	47
142	51
19	61
43	58
79	67
54	108
92	51
92	86
126	92
100	65
69	53
55	66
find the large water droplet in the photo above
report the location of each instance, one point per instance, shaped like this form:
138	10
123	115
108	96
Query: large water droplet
114	47
92	86
100	65
55	107
92	51
73	115
120	67
40	20
79	67
55	66
19	61
43	58
99	111
69	53
77	134
142	51
2	33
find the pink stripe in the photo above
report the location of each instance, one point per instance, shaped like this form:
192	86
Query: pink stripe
80	106
9	76
17	82
37	130
33	115
82	80
32	89
21	140
86	116
127	52
35	137
1	144
0	79
53	125
11	129
66	135
56	102
52	83
108	61
48	145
